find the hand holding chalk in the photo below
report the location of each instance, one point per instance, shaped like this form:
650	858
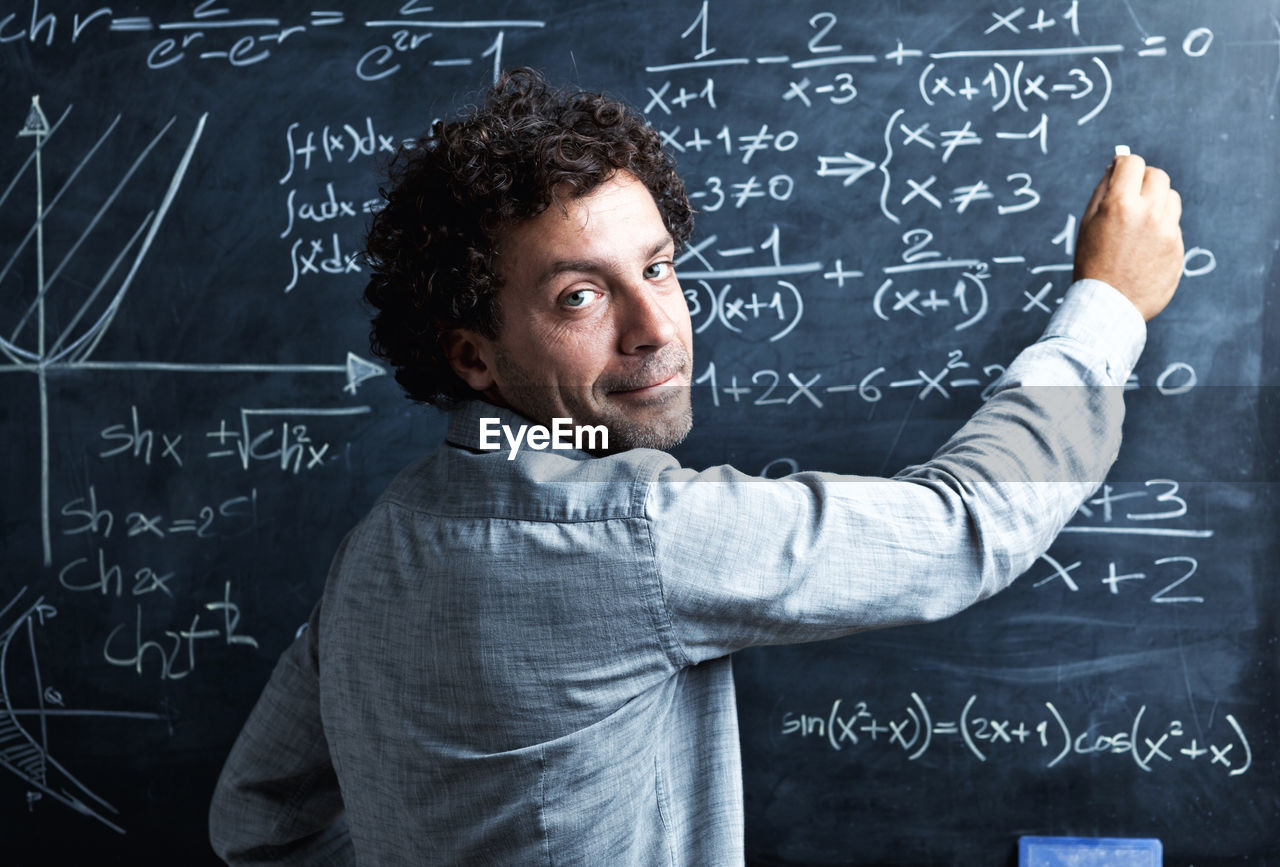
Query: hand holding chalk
1130	235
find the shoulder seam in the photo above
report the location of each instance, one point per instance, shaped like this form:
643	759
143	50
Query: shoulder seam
674	648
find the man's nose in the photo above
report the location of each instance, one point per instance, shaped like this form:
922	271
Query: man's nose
646	323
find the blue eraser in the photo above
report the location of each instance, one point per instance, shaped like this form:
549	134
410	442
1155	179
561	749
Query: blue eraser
1089	852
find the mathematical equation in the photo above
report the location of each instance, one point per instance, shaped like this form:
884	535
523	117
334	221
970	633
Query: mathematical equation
911	168
943	381
343	144
1020	80
283	440
925	283
104	576
213	34
1155	510
994	81
1049	736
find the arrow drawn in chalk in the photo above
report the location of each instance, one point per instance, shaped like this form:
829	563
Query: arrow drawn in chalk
355	369
850	167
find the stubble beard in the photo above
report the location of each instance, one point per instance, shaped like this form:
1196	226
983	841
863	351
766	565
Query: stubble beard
591	404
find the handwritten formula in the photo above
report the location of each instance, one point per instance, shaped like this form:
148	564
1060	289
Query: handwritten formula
1046	737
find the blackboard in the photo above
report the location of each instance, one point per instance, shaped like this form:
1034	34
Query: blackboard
888	194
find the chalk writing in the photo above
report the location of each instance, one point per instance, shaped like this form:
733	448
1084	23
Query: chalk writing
887	204
946	378
1046	737
213	35
233	516
175	652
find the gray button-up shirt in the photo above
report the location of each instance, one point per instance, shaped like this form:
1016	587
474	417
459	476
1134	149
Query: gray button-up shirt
527	661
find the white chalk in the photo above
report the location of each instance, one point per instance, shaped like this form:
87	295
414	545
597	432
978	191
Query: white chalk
1122	150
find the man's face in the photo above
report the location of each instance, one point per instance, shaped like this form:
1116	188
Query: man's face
594	324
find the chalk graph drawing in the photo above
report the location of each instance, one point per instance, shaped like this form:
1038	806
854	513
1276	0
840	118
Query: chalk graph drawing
73	347
25	751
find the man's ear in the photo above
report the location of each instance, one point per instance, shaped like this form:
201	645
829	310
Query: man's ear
467	353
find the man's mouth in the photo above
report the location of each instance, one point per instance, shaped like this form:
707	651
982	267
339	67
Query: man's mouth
672	379
652	379
650	387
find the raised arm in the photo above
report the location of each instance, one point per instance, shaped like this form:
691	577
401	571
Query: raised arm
816	555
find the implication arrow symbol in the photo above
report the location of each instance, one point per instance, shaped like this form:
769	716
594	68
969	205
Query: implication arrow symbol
850	166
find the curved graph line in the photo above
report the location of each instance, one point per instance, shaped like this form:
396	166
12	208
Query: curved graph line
150	224
169	196
13	352
55	352
102	209
53	203
33	761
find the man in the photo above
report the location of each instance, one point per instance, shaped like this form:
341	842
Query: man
522	655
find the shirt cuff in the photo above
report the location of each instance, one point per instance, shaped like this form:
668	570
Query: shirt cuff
1098	316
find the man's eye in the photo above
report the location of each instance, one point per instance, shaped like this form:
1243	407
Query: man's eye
579	298
657	271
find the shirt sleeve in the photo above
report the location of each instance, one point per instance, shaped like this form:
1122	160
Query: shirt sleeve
277	800
747	561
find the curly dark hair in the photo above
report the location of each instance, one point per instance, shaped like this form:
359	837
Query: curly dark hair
456	189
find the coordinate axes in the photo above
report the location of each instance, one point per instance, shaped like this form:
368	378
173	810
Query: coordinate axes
73	347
